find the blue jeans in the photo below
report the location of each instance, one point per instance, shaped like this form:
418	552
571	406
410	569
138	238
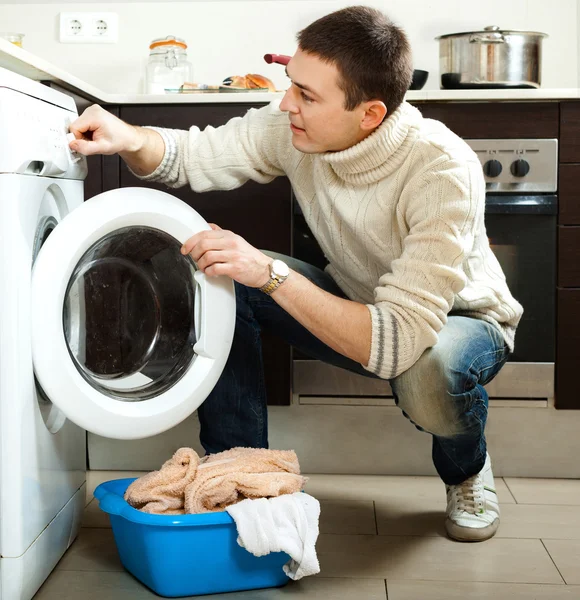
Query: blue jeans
442	393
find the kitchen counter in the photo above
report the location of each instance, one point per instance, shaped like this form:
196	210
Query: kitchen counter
25	63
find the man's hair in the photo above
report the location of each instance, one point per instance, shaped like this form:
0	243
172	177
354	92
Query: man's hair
372	55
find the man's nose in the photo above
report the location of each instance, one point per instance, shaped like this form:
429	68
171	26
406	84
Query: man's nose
288	104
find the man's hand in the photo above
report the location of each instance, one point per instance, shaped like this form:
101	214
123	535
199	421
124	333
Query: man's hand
99	132
221	252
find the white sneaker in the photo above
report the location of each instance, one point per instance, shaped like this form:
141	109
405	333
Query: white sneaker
473	507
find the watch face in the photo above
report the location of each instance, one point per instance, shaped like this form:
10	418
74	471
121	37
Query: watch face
280	269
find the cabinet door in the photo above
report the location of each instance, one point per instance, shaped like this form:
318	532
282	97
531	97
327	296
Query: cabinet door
570	132
496	119
568	342
259	213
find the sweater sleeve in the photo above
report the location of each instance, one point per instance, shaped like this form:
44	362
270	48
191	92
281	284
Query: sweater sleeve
226	157
441	208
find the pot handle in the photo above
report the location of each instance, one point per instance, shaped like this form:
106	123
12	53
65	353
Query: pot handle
493	37
489	38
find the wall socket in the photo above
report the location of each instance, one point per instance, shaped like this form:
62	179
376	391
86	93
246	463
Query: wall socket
89	28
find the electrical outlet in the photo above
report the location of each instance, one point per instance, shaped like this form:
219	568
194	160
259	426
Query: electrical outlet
89	28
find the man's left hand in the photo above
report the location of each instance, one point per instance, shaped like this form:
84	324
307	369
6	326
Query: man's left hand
222	252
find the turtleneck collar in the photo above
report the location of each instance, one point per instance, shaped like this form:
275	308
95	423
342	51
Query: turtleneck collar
382	152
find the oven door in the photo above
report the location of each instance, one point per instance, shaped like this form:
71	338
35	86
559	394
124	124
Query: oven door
522	234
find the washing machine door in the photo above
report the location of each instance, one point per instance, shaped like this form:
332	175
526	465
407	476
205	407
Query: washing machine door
128	336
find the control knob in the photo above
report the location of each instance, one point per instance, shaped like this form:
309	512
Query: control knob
520	168
492	168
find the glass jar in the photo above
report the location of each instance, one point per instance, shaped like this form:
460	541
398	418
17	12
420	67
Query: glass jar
167	67
15	38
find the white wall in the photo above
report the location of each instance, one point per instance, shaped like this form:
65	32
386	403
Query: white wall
231	36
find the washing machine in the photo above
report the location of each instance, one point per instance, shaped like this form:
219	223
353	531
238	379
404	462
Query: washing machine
104	326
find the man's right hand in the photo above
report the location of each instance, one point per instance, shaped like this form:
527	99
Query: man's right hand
97	131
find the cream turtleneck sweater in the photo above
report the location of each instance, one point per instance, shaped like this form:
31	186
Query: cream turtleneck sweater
399	216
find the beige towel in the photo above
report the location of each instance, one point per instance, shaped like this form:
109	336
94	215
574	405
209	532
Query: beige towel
188	484
232	476
163	492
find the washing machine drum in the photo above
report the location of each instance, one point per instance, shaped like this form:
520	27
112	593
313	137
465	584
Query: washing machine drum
128	337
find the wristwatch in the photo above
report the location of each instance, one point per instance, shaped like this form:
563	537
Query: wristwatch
279	272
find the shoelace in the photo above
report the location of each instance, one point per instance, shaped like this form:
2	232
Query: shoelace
468	494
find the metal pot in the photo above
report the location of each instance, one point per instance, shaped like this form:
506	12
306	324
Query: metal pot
492	58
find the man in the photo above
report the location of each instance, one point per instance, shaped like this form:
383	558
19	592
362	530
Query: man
412	293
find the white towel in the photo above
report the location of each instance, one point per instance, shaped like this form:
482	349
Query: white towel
287	523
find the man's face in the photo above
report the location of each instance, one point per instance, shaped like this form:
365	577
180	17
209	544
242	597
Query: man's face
315	106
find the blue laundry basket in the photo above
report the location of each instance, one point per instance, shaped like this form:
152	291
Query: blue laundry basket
185	555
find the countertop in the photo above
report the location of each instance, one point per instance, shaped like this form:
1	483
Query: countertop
25	63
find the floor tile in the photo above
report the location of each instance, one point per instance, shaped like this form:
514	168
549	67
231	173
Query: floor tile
496	560
566	555
95	478
544	491
347	517
445	590
93	550
74	585
523	521
94	516
379	487
540	521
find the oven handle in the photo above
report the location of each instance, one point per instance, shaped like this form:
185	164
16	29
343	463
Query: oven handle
539	204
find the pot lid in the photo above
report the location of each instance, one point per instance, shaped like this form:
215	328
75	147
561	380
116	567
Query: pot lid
492	29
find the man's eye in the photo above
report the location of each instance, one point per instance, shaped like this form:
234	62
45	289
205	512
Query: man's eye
305	97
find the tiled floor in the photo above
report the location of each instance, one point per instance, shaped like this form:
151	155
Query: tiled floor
382	538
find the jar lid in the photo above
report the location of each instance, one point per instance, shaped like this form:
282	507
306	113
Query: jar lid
490	30
170	40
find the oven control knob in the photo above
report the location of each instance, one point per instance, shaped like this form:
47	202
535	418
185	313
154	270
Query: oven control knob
520	168
492	168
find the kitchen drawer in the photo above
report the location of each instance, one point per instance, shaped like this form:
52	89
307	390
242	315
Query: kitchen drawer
567	344
569	194
569	257
570	132
482	120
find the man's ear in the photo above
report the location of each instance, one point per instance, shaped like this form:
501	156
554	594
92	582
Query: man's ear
375	112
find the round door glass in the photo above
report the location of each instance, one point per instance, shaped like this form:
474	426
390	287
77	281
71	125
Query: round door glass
129	313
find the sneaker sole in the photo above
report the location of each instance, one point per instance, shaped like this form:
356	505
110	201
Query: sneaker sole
470	534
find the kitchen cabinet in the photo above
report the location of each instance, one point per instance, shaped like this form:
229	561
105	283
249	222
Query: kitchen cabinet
570	132
568	317
568	342
569	195
480	120
569	253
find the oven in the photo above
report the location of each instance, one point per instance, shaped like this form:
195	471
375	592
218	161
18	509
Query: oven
520	217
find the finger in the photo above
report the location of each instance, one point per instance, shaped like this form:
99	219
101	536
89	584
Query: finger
88	147
213	257
208	245
215	227
200	237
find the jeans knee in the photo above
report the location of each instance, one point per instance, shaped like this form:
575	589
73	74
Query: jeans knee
426	395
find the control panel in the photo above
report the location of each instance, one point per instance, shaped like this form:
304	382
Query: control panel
518	166
35	138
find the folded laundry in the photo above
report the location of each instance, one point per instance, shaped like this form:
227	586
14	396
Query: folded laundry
188	484
287	523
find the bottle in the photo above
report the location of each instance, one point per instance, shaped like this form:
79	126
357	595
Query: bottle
167	67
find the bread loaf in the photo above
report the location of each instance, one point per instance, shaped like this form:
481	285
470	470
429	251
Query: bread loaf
251	81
